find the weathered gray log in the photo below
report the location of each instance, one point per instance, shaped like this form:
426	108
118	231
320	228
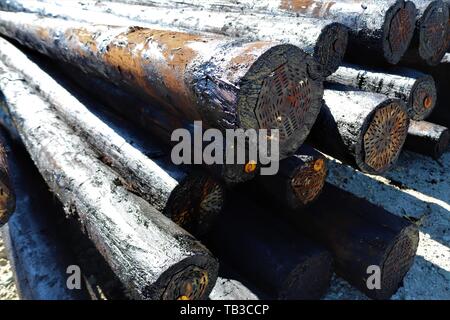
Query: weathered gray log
141	175
430	41
360	235
39	260
7	192
226	83
263	248
417	89
151	255
382	27
427	138
299	180
231	286
364	129
325	40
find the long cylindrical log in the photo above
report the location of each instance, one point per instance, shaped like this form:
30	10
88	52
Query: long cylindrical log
299	180
268	252
430	42
427	138
151	255
325	40
417	89
364	129
224	82
382	28
38	258
7	192
142	175
360	235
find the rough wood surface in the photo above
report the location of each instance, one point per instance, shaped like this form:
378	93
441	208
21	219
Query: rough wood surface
364	129
417	89
325	40
360	234
299	180
7	192
118	149
151	255
268	252
382	27
427	138
224	82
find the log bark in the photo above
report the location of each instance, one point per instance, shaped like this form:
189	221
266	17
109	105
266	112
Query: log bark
360	234
268	252
430	41
226	83
427	138
7	192
39	260
366	130
417	89
152	256
325	40
299	181
384	28
169	191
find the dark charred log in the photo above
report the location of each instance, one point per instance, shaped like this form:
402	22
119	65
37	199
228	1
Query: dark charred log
427	138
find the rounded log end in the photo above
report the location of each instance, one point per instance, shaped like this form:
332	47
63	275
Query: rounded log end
383	137
282	90
308	181
191	279
399	26
442	145
423	98
195	203
397	262
433	29
331	47
310	280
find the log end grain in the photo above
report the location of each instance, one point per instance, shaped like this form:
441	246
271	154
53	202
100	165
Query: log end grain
196	202
282	90
433	29
331	47
7	194
423	98
399	26
383	136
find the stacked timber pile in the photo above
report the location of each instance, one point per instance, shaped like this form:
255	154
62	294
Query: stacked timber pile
93	91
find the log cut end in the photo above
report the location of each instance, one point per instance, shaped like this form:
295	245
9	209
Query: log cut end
282	90
384	136
331	47
398	261
196	202
400	21
308	181
423	98
427	138
310	280
7	195
433	29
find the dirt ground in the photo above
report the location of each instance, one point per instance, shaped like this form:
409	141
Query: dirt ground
419	189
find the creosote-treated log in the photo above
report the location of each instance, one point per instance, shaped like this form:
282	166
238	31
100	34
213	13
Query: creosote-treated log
380	28
325	40
427	138
226	83
151	255
359	235
39	259
430	42
7	193
299	180
417	89
268	252
363	129
141	175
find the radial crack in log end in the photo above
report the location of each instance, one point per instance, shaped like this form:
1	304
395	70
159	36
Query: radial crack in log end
423	98
188	284
309	180
385	136
331	47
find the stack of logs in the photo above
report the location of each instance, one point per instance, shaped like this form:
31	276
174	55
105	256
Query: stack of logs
93	90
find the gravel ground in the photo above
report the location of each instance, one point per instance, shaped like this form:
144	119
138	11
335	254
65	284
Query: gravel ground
418	189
